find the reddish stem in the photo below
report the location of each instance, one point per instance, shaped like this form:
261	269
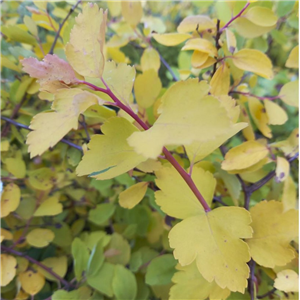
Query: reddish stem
167	154
234	18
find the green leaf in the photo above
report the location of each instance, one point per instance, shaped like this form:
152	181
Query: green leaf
80	255
101	214
124	284
102	280
161	270
96	259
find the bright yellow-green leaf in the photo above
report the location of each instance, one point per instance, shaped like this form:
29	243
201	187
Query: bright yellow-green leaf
45	21
171	39
199	118
190	284
133	195
149	166
58	265
273	229
80	255
150	60
261	16
16	166
220	82
293	59
50	207
30	24
249	30
176	198
289	195
230	40
7	63
147	87
120	79
10	199
213	239
276	114
84	292
132	12
52	72
198	22
8	269
259	116
253	61
201	45
17	34
50	127
101	213
39	237
31	282
6	235
85	49
41	179
114	8
109	154
244	156
289	93
282	169
287	281
289	146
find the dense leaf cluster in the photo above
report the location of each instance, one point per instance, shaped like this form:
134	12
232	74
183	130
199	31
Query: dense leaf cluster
149	150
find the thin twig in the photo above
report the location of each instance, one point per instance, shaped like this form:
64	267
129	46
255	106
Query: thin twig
61	26
234	18
219	200
269	293
17	124
41	265
218	46
83	124
252	95
175	78
251	278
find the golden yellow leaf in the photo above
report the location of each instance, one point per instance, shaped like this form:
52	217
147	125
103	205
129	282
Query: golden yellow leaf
150	60
289	195
293	59
248	132
190	284
198	22
119	79
273	229
198	59
10	199
261	16
275	113
171	39
201	45
259	115
132	12
199	118
58	265
287	281
40	237
8	269
253	61
31	282
245	155
230	40
256	167
85	48
52	72
289	93
114	8
147	87
50	127
282	169
133	195
213	239
50	207
149	166
176	198
6	235
220	82
109	154
196	63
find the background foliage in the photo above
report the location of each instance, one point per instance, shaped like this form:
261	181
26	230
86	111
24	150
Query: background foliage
65	236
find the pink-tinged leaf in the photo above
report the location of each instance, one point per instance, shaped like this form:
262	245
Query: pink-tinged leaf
52	72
